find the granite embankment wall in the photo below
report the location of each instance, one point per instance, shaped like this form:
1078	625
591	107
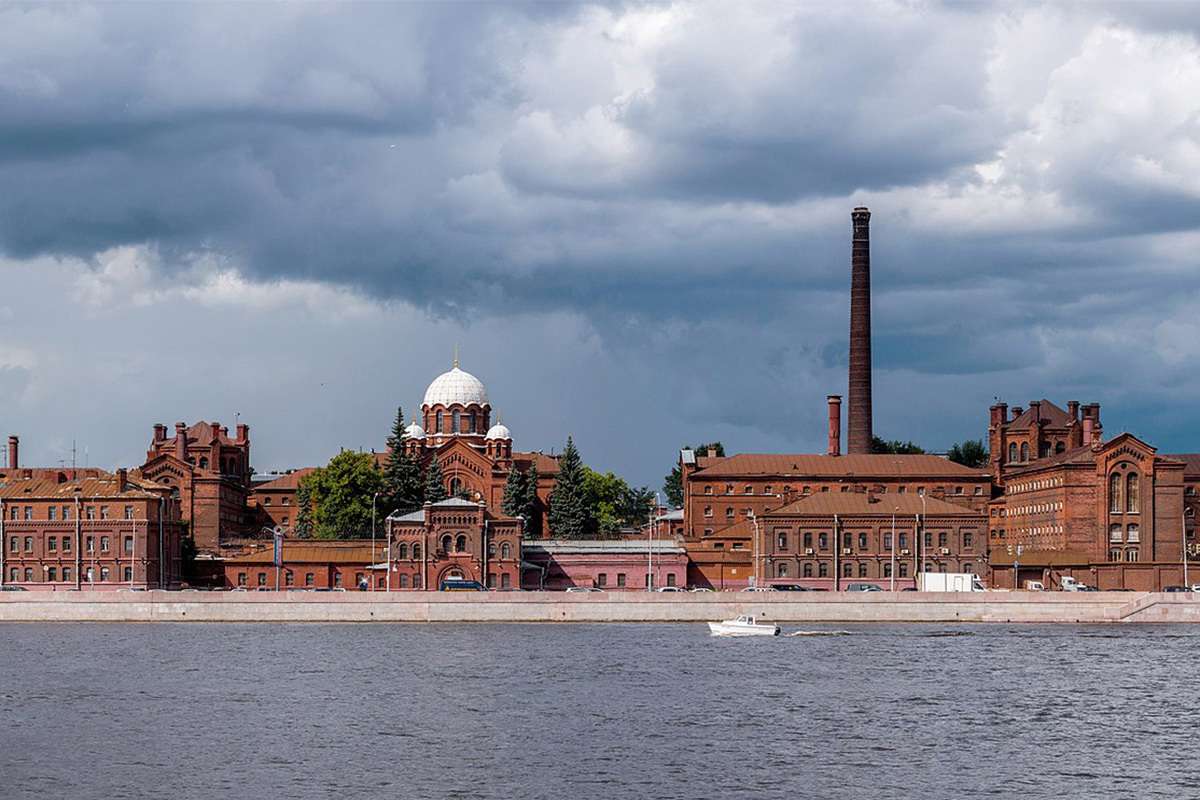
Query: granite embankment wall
614	607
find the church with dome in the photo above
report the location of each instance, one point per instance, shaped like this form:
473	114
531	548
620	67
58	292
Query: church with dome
475	455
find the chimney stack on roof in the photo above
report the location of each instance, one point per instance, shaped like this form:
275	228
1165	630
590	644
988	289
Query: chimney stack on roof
1017	411
160	433
1073	409
1036	407
1087	431
14	452
243	433
835	425
181	441
858	437
122	480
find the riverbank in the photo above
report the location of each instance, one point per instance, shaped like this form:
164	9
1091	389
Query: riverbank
610	607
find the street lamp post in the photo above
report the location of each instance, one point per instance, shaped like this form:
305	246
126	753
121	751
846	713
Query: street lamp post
371	566
893	549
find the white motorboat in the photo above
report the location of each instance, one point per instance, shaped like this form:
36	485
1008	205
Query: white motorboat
743	626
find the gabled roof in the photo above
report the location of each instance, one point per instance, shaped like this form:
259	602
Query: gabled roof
1051	416
43	488
290	481
204	433
547	465
865	503
859	467
455	502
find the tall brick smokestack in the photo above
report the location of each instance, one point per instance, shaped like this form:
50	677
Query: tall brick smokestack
858	435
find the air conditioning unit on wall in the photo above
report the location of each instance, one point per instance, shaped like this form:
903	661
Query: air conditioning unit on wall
945	551
845	551
904	552
808	551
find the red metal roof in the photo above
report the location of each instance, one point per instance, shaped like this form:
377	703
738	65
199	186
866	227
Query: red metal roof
885	466
865	503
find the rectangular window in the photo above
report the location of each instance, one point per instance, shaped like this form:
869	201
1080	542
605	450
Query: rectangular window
28	512
807	540
105	574
128	545
781	540
506	581
289	579
670	579
862	541
14	544
718	545
66	512
66	573
739	545
620	579
91	512
649	581
928	539
128	512
823	541
128	574
241	579
14	513
287	501
416	581
52	513
89	544
28	544
968	540
942	539
337	579
103	512
887	541
491	580
66	541
903	541
308	579
602	579
903	569
103	544
262	579
51	574
52	544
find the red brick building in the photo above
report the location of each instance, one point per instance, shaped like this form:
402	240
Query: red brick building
307	564
210	474
273	502
454	539
107	531
611	565
474	455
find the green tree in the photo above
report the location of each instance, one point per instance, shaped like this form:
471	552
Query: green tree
570	511
304	514
341	493
673	483
895	447
531	504
514	502
403	489
435	482
970	453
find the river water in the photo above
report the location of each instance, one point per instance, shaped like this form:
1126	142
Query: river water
597	711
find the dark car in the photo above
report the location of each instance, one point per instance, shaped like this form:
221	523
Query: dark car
1176	589
460	585
863	587
789	587
11	588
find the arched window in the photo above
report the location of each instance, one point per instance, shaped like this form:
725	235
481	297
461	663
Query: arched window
416	550
403	581
1060	447
808	569
1133	534
454	422
29	574
1012	452
823	569
491	549
456	487
438	423
1114	554
781	570
1114	493
887	569
1114	533
203	462
447	541
471	422
402	551
848	570
460	544
1131	492
506	551
862	569
1024	452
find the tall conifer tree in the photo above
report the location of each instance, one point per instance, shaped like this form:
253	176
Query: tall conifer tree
570	512
435	482
515	496
533	518
304	515
401	473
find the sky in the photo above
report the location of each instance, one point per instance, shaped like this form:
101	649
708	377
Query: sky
632	218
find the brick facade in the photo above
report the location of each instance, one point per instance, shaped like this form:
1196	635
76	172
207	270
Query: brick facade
455	538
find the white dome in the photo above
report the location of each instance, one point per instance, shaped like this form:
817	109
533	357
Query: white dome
499	431
456	386
414	431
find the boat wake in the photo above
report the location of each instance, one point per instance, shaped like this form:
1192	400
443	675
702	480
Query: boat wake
820	633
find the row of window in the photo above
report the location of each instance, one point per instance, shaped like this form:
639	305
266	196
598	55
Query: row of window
52	544
1131	533
52	574
1117	482
1036	508
53	513
1046	449
822	539
1117	554
767	490
862	568
1030	486
459	423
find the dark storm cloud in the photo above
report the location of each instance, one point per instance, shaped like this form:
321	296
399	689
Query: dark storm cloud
679	176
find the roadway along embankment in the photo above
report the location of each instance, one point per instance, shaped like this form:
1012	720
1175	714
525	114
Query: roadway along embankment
1066	607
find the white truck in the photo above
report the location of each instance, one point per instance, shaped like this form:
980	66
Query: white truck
1069	584
949	582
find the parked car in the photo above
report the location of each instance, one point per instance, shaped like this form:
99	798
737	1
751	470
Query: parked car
460	585
863	587
789	587
1069	584
1035	586
669	589
758	589
11	588
1176	589
1196	587
700	589
571	589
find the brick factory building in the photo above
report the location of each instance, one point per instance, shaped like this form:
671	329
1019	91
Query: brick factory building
210	474
306	564
64	530
611	565
273	501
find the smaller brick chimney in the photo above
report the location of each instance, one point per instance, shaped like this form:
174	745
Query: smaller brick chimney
14	452
835	425
160	433
1073	409
999	414
122	480
181	441
1017	411
243	433
1036	407
1087	431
